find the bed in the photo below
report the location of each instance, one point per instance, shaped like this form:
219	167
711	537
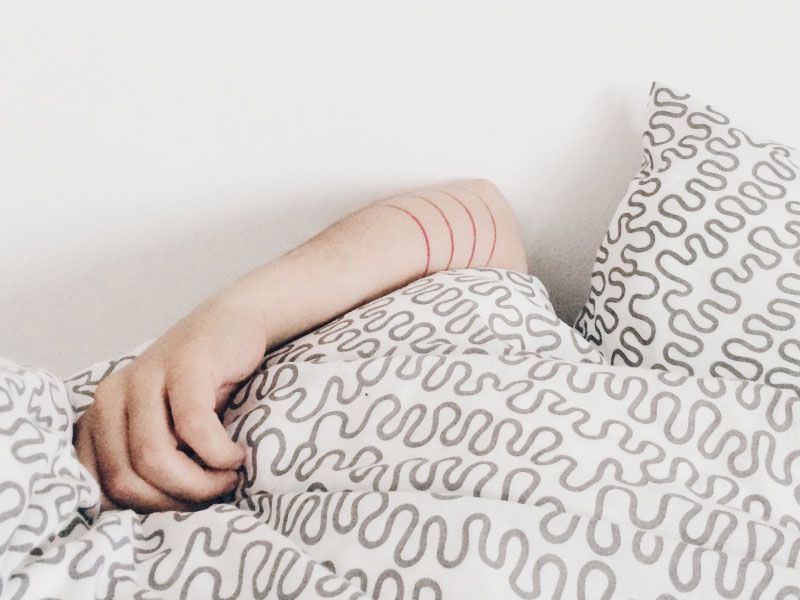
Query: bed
451	440
456	439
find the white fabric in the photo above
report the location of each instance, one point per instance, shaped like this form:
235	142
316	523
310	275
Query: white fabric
451	440
699	272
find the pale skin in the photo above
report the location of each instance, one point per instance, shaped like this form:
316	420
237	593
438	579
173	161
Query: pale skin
153	437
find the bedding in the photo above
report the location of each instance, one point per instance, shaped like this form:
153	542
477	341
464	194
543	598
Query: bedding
699	272
453	439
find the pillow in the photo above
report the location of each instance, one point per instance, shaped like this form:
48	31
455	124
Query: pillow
699	271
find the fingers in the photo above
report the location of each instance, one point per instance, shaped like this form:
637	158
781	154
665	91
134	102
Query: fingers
118	479
130	445
154	449
192	396
84	448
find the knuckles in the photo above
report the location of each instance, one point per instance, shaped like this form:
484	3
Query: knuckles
120	487
146	462
108	389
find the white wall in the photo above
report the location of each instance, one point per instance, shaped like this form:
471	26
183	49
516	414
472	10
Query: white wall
150	151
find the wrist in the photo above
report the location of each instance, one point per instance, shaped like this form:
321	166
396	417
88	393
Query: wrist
245	305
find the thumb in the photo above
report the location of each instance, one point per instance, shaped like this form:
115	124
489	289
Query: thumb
191	395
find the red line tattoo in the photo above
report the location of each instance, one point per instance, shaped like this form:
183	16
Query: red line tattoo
424	234
447	224
494	227
472	223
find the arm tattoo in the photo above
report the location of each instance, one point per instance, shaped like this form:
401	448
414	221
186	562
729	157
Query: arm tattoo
451	236
494	226
446	224
471	222
424	235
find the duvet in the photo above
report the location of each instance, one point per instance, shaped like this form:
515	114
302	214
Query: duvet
451	440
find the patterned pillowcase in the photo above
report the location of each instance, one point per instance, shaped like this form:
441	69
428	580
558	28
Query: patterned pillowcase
699	271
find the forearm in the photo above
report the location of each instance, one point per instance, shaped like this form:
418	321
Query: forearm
380	248
168	399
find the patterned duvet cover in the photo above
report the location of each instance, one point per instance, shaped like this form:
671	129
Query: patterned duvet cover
453	439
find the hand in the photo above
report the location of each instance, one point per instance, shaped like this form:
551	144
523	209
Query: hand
153	438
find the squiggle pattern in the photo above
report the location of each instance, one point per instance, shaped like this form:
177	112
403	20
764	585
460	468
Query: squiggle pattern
700	269
450	440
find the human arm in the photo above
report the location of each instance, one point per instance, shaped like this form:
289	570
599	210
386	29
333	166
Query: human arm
153	437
